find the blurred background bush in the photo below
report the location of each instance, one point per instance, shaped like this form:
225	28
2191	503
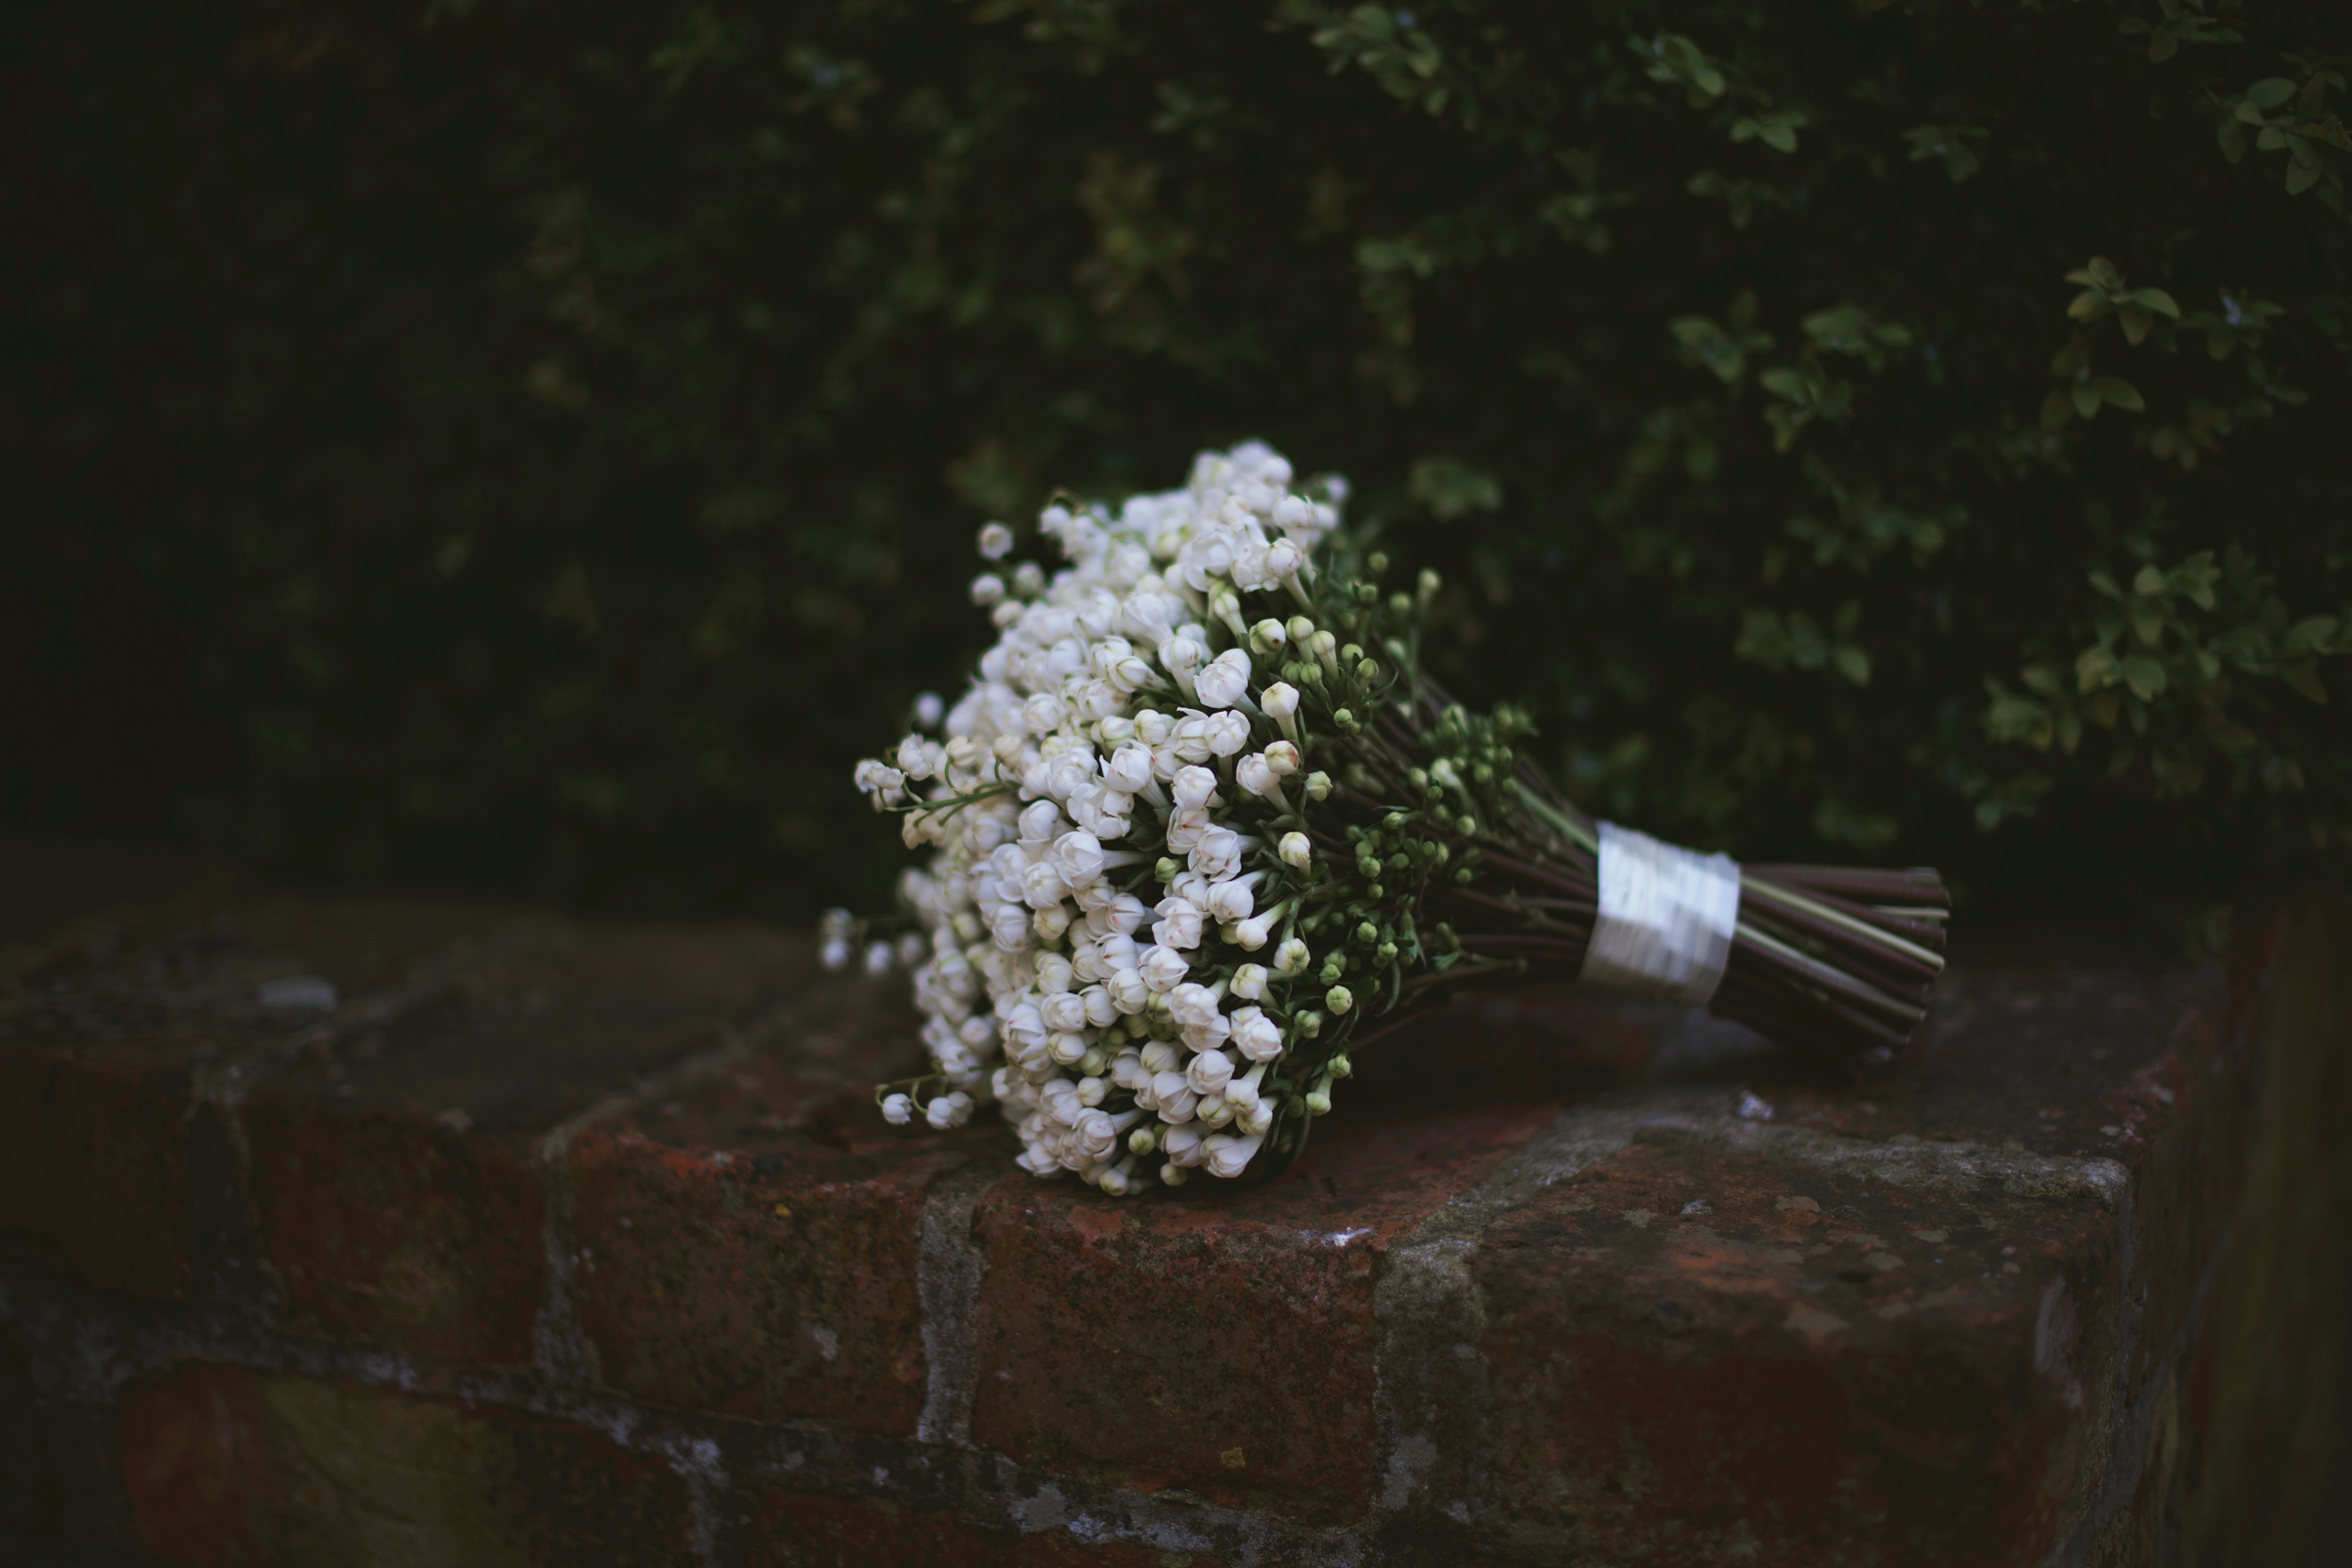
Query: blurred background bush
535	448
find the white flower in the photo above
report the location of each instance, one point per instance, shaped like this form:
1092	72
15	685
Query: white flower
1249	983
1193	787
1125	915
997	541
1176	1096
1130	993
1226	1156
1226	733
1184	829
898	1110
1257	775
1209	1072
1218	854
1162	968
1225	679
1255	1035
1231	900
1179	924
1079	856
1010	927
1130	770
1042	886
1297	850
1190	1005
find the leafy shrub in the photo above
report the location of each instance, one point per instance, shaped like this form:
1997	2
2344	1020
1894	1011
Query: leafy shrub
545	441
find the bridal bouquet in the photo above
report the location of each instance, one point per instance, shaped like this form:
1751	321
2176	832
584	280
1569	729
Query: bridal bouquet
1201	827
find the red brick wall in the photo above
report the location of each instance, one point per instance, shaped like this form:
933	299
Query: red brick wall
557	1244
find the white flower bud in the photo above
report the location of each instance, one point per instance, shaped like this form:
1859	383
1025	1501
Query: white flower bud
1042	886
1252	933
1097	1136
986	589
1213	1111
1100	1010
835	954
1130	769
1255	1035
1182	1146
1154	728
1284	558
1228	1156
1161	1057
1297	850
1255	774
1010	927
1241	1092
1129	993
1079	858
1226	733
1283	758
1179	924
997	541
1029	579
878	958
1176	1098
1050	923
1270	631
1293	956
1162	968
1225	679
1231	900
1249	981
1066	1012
1127	1070
1218	854
1280	701
929	710
1193	787
1053	974
1209	1072
898	1110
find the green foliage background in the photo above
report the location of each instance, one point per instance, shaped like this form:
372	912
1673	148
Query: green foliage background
537	448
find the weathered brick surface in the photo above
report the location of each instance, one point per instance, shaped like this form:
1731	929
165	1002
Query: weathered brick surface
808	1530
94	1156
394	1230
1221	1341
780	1283
230	1466
1710	1355
1563	1281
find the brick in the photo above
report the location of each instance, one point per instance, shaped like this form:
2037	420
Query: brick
230	1466
396	1231
731	1261
95	1160
1703	1354
805	1529
1218	1340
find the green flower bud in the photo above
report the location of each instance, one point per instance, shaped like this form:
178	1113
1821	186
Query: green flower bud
1302	630
1341	1067
1339	999
1466	825
1318	786
1319	1101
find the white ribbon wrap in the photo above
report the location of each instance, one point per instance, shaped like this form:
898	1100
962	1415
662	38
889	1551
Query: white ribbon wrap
1666	921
